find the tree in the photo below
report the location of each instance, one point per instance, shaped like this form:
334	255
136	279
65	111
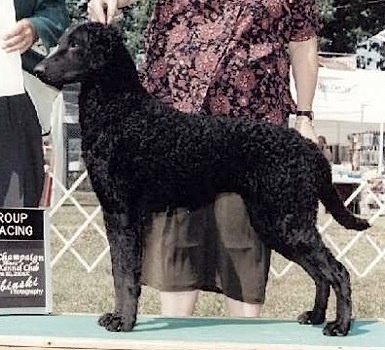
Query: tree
347	22
133	21
134	24
77	10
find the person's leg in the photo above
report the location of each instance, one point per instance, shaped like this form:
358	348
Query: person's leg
21	154
34	162
11	131
173	259
240	309
178	304
243	259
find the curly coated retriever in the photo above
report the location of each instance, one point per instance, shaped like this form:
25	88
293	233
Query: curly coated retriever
144	157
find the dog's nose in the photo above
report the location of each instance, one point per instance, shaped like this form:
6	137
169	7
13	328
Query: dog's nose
39	69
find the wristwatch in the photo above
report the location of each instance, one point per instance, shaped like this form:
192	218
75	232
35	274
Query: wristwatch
309	114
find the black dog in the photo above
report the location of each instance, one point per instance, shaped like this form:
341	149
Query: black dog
145	157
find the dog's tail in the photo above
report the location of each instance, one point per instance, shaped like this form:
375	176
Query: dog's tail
333	203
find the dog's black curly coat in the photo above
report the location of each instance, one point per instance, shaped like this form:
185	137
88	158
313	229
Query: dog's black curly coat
145	157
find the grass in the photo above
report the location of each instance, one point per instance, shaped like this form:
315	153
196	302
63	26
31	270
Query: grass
76	290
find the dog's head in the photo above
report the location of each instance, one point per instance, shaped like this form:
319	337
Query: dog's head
83	52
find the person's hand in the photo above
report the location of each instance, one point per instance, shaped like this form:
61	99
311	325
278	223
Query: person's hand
20	38
102	11
305	127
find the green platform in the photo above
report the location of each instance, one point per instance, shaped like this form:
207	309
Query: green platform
78	331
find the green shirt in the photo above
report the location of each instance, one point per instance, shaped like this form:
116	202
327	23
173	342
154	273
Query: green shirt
50	18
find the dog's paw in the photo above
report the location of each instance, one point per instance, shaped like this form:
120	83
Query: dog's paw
309	317
336	328
116	322
361	224
106	319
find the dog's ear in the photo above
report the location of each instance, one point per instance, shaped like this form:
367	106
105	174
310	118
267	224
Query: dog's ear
104	41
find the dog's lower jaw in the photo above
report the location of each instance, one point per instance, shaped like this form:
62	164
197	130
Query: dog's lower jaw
116	322
337	328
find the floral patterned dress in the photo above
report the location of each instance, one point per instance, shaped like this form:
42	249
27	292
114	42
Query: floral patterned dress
226	57
219	57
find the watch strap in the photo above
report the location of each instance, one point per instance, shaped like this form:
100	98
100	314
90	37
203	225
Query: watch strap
309	114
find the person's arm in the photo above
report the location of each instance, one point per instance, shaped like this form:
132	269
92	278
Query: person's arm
104	11
328	155
304	62
50	19
45	20
20	38
305	23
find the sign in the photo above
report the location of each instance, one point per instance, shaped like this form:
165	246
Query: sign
24	262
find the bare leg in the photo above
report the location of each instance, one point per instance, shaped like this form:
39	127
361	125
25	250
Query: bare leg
178	304
240	309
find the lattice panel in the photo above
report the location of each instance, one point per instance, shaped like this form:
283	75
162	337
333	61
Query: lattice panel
89	220
342	253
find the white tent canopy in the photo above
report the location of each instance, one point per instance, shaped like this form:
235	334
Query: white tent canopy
350	96
349	100
379	36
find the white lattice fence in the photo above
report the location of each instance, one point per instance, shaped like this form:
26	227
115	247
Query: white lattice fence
342	254
88	220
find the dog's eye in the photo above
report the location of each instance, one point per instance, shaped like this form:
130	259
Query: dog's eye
74	46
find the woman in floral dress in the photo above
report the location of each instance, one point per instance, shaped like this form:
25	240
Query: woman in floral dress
222	57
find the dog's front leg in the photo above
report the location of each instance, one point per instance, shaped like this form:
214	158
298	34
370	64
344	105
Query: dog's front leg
124	237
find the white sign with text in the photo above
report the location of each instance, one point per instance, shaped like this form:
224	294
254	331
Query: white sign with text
25	283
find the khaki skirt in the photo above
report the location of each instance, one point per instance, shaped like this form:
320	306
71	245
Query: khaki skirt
212	249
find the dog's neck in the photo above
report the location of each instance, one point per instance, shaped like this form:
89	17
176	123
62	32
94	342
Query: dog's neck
114	82
118	75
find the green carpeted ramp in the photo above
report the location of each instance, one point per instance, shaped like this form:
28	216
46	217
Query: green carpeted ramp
158	333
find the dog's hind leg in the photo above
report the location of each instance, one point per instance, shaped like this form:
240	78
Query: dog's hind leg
320	263
297	238
339	277
125	248
318	314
